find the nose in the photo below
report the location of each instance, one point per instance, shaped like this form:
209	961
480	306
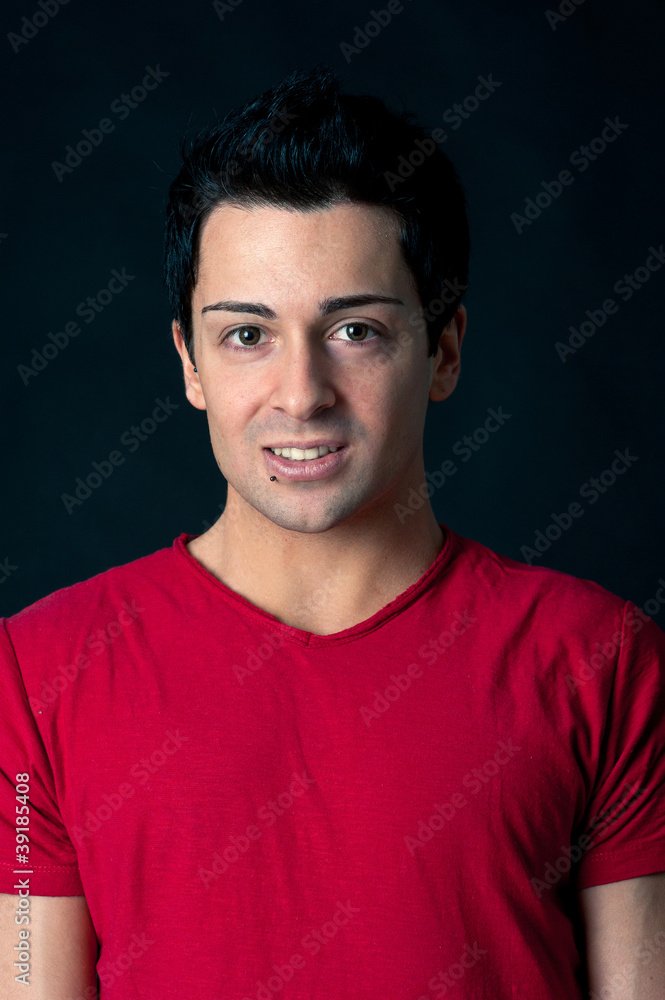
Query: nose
302	379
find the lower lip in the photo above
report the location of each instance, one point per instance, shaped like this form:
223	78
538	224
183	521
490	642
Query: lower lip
308	469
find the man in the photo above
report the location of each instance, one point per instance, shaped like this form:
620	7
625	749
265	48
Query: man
329	748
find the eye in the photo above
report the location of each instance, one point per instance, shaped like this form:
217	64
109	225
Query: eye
254	332
357	335
356	331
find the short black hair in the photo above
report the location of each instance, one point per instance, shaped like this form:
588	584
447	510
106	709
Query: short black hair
305	145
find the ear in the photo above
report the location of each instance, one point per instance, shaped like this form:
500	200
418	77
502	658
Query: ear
193	389
447	361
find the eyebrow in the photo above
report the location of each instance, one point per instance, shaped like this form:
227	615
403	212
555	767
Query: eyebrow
326	307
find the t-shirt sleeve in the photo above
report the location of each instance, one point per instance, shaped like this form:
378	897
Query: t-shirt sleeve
52	867
624	823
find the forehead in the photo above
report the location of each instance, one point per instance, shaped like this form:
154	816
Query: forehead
348	243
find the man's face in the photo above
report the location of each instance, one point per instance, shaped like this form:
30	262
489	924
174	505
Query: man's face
311	370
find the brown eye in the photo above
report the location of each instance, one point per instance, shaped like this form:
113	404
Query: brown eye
249	336
357	333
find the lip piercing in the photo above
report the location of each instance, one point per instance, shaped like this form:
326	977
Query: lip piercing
273	478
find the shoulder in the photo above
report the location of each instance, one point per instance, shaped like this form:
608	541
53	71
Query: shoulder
559	631
538	593
107	596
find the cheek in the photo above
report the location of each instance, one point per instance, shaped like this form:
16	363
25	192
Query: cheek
233	433
404	412
403	394
223	420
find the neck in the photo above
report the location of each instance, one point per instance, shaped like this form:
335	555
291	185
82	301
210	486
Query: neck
325	581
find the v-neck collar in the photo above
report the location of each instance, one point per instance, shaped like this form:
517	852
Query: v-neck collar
301	636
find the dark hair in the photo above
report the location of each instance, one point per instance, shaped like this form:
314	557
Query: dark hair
305	145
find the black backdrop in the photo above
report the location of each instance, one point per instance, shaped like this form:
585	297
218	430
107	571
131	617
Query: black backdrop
553	83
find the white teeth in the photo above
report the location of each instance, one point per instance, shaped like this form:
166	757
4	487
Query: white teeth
298	455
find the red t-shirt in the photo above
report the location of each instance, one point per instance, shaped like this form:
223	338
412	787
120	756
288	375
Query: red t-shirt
389	812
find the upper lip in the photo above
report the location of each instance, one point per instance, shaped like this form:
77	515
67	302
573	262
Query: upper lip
309	444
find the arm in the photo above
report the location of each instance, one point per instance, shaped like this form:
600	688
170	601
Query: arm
625	935
63	949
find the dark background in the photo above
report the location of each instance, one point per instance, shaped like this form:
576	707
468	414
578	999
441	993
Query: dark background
61	240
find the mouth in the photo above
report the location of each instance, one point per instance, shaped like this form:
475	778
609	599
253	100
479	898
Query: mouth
304	453
293	464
